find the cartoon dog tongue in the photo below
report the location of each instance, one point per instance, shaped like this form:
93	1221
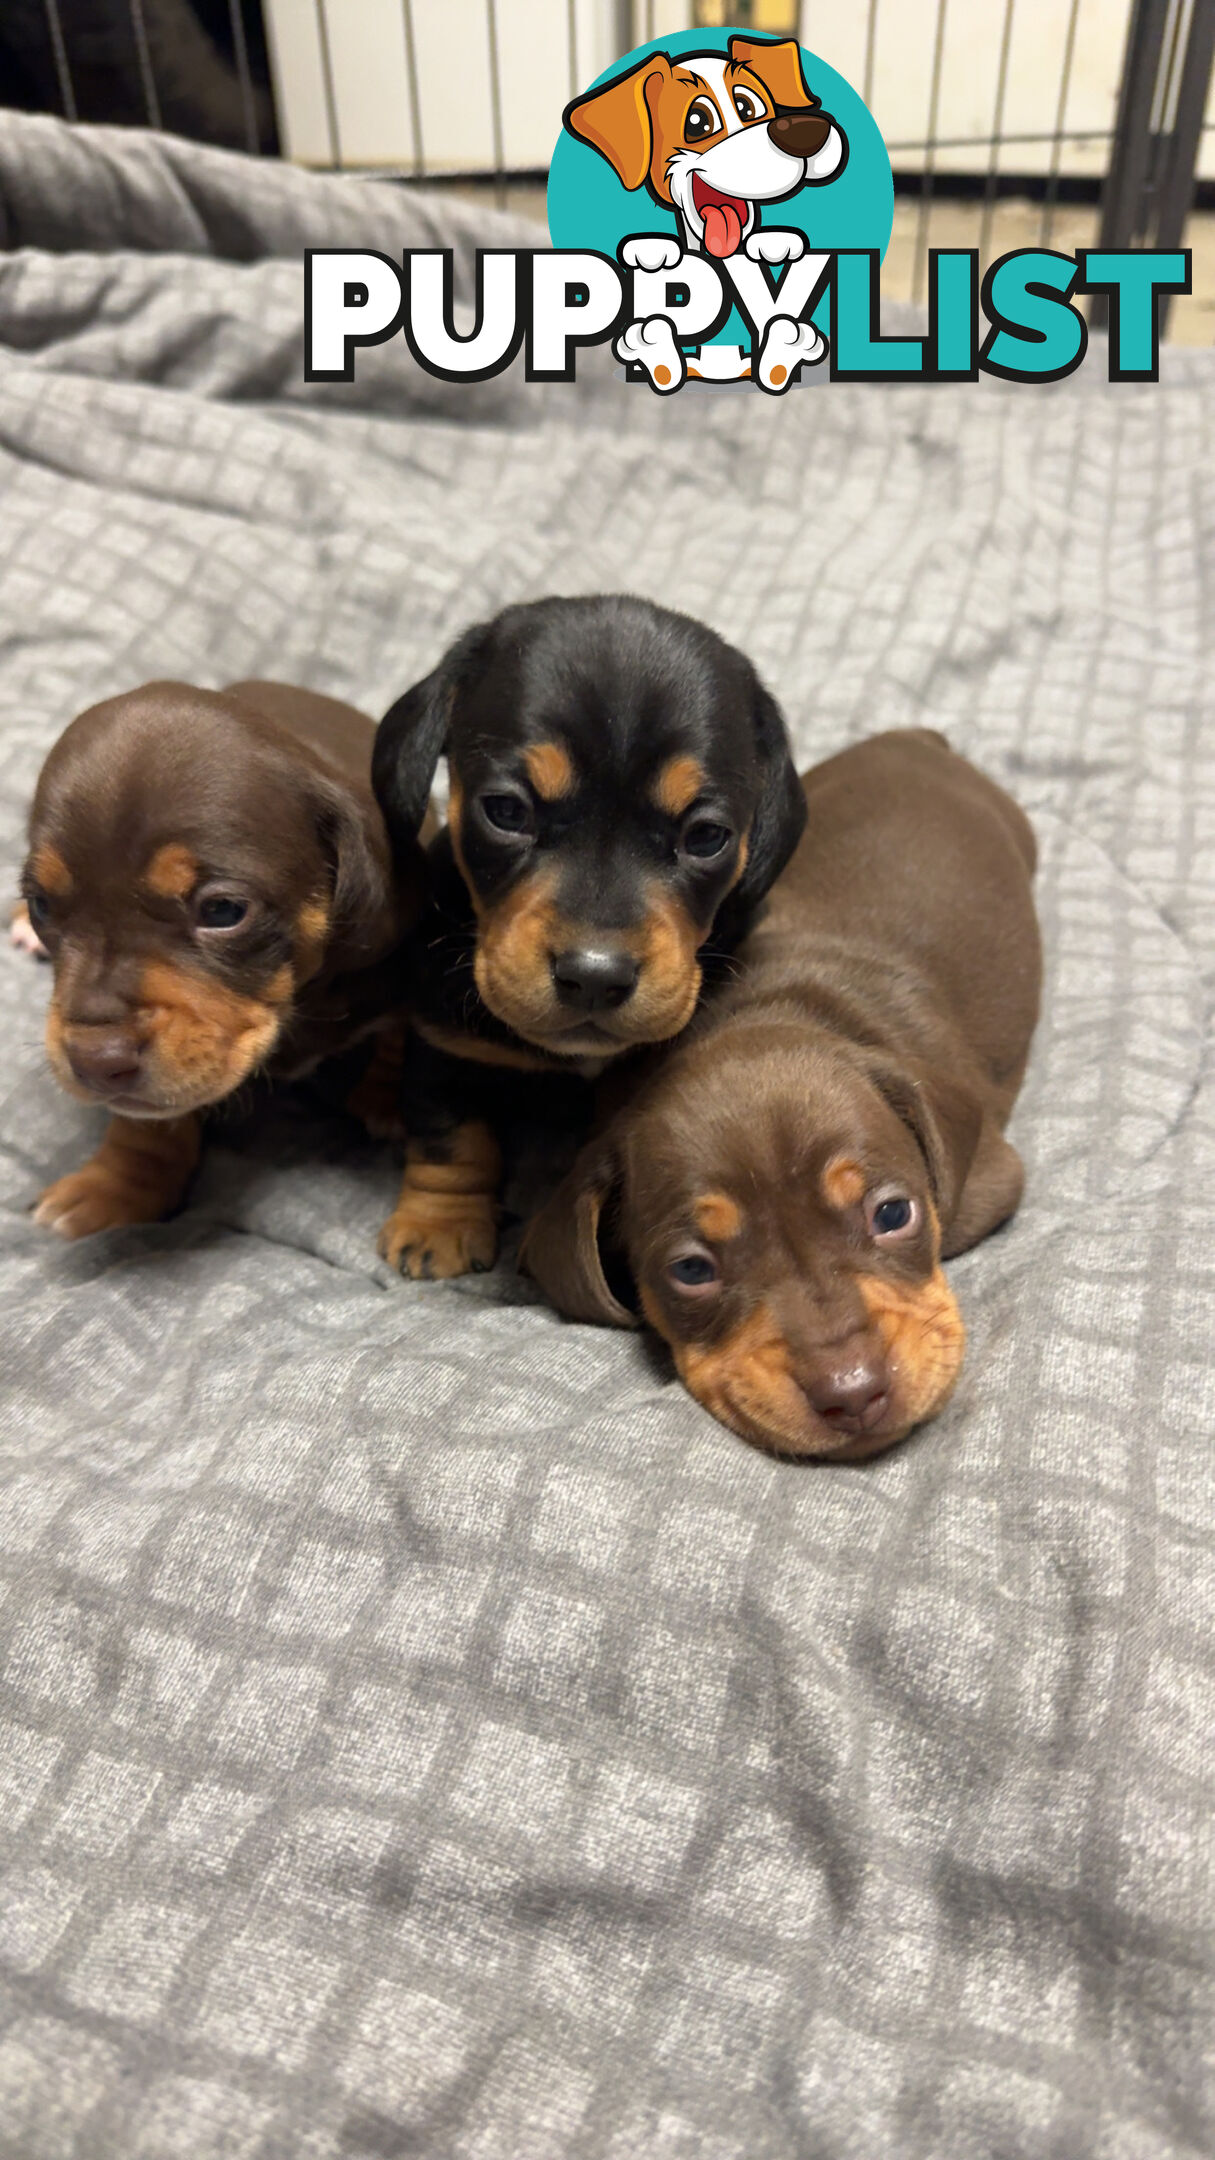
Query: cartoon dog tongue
723	228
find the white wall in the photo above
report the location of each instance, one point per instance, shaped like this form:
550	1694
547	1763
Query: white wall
368	60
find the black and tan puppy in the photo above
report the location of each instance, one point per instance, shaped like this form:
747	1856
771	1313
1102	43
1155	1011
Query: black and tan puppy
783	1188
622	796
209	873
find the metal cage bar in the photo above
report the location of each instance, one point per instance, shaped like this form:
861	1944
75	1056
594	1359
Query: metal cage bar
143	56
244	77
1166	75
934	108
1051	196
63	72
331	111
415	90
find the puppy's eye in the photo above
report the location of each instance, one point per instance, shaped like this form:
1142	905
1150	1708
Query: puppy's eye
220	911
746	106
704	838
695	1271
39	910
703	119
892	1215
506	813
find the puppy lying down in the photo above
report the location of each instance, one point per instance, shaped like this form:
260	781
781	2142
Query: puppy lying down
783	1186
209	874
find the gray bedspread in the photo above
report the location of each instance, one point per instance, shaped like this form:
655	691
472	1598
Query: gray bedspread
422	1729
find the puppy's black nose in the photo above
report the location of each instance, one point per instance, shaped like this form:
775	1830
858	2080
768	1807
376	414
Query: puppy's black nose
593	978
104	1059
851	1390
800	134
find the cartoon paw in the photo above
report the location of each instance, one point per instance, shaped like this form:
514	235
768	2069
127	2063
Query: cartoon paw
651	345
96	1198
433	1236
23	934
775	245
787	346
650	251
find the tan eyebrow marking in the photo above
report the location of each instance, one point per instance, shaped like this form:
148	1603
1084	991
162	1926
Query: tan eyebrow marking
843	1182
717	1216
172	871
550	770
51	871
311	927
678	785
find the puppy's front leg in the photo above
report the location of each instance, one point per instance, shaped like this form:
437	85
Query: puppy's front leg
138	1174
375	1098
445	1221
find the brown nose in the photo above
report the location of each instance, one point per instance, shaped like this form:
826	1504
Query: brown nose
800	134
851	1389
104	1059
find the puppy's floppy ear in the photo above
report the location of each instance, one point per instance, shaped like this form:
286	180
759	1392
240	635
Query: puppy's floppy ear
780	817
412	735
946	1118
365	894
561	1247
616	120
778	65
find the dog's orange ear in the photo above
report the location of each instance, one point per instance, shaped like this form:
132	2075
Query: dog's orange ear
777	66
615	119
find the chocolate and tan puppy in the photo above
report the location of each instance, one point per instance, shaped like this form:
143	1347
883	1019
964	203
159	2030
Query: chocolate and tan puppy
783	1188
210	876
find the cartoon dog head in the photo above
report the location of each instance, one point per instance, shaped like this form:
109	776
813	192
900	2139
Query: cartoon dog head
713	134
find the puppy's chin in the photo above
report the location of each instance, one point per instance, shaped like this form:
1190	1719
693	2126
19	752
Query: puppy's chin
748	1383
200	1041
656	1011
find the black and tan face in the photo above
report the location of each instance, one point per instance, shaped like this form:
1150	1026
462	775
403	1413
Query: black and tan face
618	774
593	901
180	884
779	1224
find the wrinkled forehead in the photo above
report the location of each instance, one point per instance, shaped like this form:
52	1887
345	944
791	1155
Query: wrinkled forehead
126	780
775	1131
603	707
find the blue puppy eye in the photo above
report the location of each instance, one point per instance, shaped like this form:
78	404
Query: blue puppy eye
693	1269
891	1215
221	912
38	909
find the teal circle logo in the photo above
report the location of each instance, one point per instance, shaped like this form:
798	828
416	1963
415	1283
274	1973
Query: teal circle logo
724	142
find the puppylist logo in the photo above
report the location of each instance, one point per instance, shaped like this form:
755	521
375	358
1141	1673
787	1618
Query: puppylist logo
719	206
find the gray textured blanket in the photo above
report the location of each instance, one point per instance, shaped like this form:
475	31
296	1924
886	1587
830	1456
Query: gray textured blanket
422	1729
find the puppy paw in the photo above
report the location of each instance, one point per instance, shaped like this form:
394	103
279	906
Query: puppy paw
92	1199
775	245
787	346
651	345
650	251
23	934
139	1173
434	1236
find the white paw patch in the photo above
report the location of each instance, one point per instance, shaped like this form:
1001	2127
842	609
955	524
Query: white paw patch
776	246
651	251
651	345
787	346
